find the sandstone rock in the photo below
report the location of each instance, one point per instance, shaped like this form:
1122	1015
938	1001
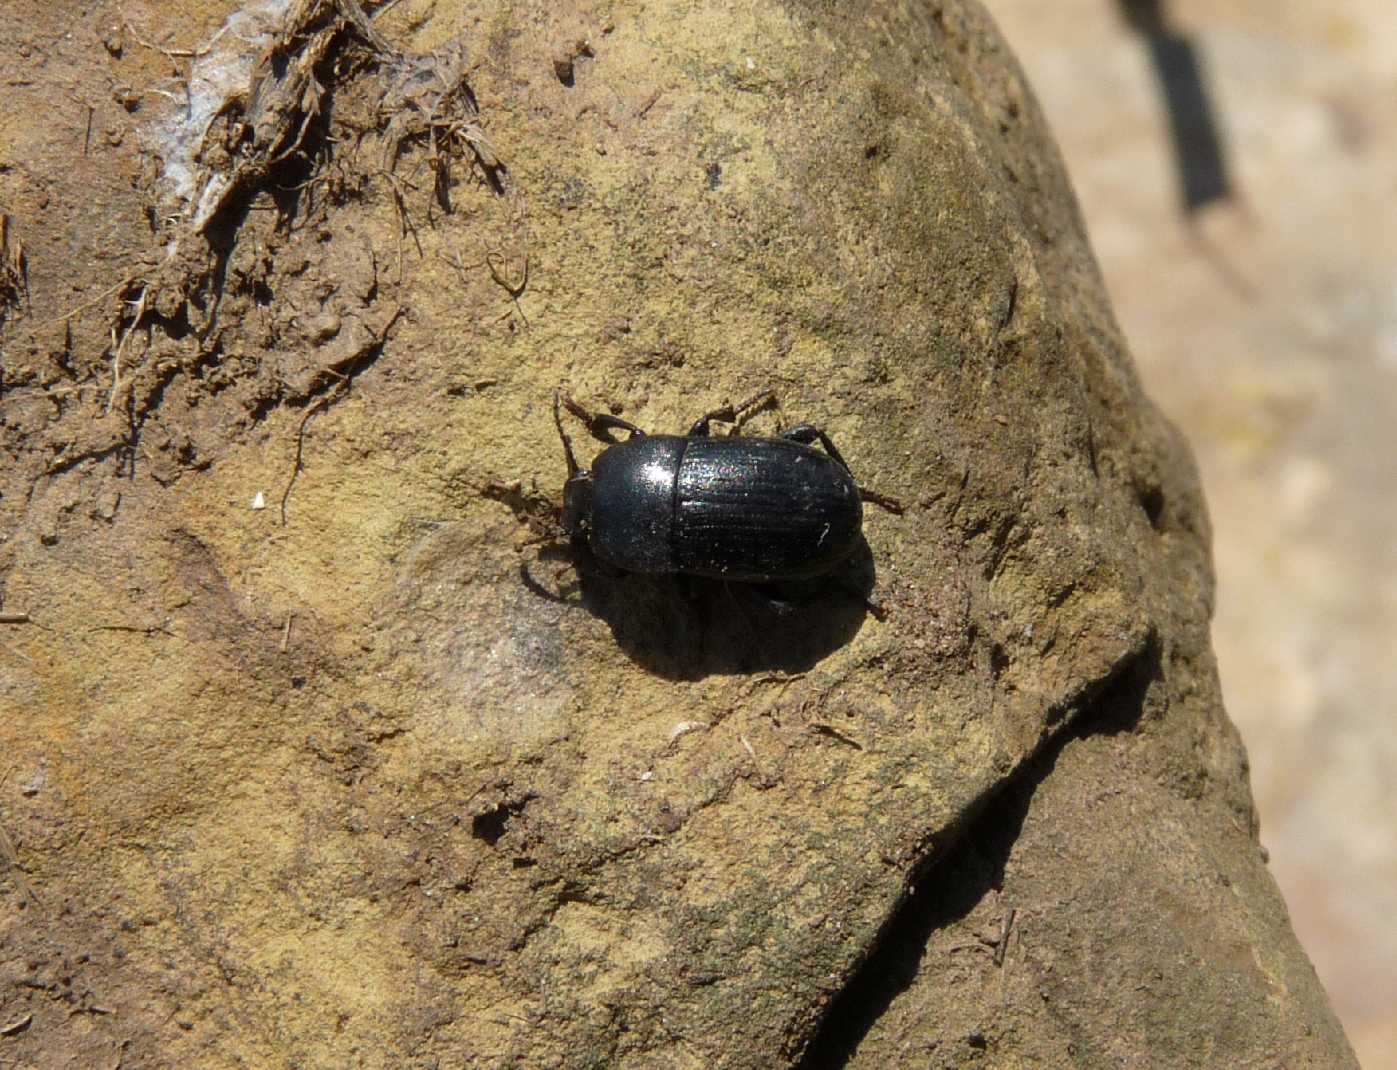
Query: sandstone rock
347	790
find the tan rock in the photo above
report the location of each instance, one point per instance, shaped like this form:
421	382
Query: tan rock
330	784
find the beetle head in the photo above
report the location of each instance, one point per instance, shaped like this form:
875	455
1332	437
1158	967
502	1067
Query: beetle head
577	503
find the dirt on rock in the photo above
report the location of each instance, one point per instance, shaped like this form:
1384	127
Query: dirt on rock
317	757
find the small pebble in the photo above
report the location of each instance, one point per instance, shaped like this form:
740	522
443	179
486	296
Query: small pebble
324	327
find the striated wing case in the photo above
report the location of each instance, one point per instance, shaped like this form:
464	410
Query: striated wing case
759	508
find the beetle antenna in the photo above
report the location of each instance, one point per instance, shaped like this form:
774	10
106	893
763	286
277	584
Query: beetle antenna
567	442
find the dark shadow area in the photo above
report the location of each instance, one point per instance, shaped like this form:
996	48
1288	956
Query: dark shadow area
687	627
1198	153
965	870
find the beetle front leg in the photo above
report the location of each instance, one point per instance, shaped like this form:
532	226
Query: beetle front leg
805	434
732	414
599	423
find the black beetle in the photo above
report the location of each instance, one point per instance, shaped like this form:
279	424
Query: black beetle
731	508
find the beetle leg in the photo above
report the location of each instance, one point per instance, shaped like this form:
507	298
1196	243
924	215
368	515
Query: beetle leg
805	434
603	422
527	578
808	433
784	601
599	423
892	505
732	414
567	442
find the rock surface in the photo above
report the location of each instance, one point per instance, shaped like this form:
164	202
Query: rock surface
355	779
1268	330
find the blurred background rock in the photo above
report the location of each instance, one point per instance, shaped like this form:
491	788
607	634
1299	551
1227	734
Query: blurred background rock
1236	162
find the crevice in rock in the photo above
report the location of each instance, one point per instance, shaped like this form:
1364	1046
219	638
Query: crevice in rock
972	864
490	825
1151	500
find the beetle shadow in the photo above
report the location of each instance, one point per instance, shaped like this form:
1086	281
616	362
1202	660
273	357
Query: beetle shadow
1200	158
687	627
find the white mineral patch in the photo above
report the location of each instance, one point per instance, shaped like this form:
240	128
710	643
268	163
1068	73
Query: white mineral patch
683	728
221	72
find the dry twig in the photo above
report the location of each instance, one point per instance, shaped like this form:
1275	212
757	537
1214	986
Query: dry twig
172	53
118	347
95	300
14	269
1002	944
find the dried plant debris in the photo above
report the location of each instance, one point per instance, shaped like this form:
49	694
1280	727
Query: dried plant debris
14	271
425	97
282	101
428	99
249	132
251	154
